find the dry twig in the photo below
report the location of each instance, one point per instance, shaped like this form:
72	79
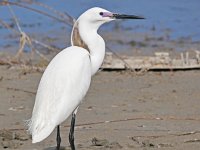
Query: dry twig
66	16
24	39
34	10
125	63
4	24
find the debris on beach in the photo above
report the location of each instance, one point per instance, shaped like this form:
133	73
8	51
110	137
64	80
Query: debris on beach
11	139
105	143
160	61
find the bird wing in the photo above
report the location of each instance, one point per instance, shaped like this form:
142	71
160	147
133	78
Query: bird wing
62	87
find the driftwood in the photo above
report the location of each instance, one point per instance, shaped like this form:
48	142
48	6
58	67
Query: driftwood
161	61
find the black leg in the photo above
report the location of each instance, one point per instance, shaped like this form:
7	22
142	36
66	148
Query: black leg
71	133
58	139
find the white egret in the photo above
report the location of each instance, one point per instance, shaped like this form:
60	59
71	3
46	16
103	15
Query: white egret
67	78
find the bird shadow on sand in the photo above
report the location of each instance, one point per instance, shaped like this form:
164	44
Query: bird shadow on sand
54	148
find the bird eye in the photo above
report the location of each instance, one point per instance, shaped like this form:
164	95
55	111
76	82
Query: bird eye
101	13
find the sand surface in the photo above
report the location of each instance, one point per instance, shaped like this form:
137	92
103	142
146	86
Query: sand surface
156	110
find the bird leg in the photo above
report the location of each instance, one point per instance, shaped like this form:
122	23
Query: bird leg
71	133
58	139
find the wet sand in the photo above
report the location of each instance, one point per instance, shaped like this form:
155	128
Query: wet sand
121	111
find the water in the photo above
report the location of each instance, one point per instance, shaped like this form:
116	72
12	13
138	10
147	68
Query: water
180	18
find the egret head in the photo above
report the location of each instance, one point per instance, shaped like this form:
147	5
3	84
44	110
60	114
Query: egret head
91	20
100	16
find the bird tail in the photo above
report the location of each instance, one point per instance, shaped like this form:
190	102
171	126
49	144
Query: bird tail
38	131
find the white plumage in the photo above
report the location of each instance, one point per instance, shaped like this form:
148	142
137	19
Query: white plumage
58	94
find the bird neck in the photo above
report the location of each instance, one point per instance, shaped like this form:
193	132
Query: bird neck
97	52
86	36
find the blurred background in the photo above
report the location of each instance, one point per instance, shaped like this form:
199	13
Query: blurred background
171	26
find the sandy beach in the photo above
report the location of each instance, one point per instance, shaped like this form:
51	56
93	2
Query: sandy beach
154	110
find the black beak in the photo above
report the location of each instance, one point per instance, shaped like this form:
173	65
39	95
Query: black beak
123	16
